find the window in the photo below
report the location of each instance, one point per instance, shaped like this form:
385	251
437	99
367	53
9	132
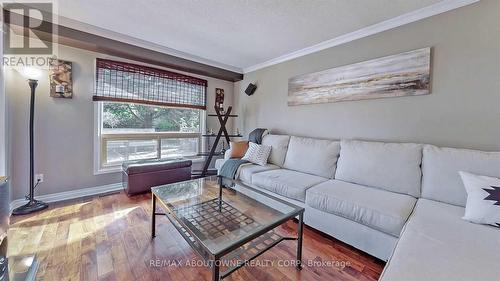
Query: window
146	113
134	132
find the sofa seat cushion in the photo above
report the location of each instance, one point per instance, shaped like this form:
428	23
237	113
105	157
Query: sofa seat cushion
246	171
288	183
379	209
436	244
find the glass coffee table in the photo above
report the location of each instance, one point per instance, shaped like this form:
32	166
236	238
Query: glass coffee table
228	228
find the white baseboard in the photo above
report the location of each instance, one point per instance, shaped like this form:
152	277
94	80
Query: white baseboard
73	194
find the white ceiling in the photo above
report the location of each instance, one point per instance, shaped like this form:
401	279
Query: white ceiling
235	34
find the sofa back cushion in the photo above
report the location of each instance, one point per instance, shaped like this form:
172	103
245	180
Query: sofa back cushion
390	166
312	156
279	144
441	166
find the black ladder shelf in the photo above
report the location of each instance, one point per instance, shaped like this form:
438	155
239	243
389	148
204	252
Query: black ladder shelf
222	131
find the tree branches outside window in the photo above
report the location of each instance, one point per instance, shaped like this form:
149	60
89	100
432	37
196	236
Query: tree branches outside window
158	119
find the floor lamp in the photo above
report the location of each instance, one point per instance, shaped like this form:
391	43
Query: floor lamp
33	205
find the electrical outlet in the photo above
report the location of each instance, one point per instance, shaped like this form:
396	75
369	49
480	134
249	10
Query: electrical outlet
38	178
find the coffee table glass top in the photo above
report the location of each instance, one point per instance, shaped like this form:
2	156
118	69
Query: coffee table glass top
195	206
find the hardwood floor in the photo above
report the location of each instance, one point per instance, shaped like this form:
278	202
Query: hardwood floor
108	238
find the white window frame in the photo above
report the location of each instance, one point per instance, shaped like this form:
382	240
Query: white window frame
100	140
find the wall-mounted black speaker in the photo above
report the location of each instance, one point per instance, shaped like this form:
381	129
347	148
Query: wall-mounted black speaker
251	89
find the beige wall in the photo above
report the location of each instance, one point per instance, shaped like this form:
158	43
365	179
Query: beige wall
64	129
462	111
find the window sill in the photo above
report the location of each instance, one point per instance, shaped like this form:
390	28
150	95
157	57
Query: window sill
118	169
110	170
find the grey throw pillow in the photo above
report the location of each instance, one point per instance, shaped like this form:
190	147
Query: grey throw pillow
483	199
257	153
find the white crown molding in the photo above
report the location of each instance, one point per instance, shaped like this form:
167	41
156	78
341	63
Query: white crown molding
429	11
73	194
140	43
426	12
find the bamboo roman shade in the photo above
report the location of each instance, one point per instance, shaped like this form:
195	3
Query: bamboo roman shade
125	82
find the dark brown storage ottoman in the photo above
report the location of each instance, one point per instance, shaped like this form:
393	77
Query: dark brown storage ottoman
140	176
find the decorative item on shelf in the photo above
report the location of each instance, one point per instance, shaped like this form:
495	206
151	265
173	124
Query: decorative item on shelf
405	74
32	74
223	149
60	78
238	132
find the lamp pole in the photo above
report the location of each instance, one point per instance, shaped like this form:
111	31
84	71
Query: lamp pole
32	205
33	84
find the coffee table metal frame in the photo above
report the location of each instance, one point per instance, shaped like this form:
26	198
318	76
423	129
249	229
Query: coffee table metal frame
215	258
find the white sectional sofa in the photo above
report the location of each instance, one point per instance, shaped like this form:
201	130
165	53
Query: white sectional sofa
400	202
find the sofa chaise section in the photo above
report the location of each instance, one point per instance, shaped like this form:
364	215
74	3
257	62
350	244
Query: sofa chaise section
437	244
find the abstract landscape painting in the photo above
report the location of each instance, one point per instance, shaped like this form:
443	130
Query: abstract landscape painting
405	74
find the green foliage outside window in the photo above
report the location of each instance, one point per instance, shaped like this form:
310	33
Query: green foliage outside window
161	119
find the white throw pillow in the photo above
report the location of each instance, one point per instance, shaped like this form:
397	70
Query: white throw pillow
257	153
483	199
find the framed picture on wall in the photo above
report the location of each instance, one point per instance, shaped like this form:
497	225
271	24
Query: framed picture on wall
399	75
60	78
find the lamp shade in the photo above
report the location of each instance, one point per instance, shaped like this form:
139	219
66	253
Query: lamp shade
31	73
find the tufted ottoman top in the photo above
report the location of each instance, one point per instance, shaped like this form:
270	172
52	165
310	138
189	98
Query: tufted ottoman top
146	166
